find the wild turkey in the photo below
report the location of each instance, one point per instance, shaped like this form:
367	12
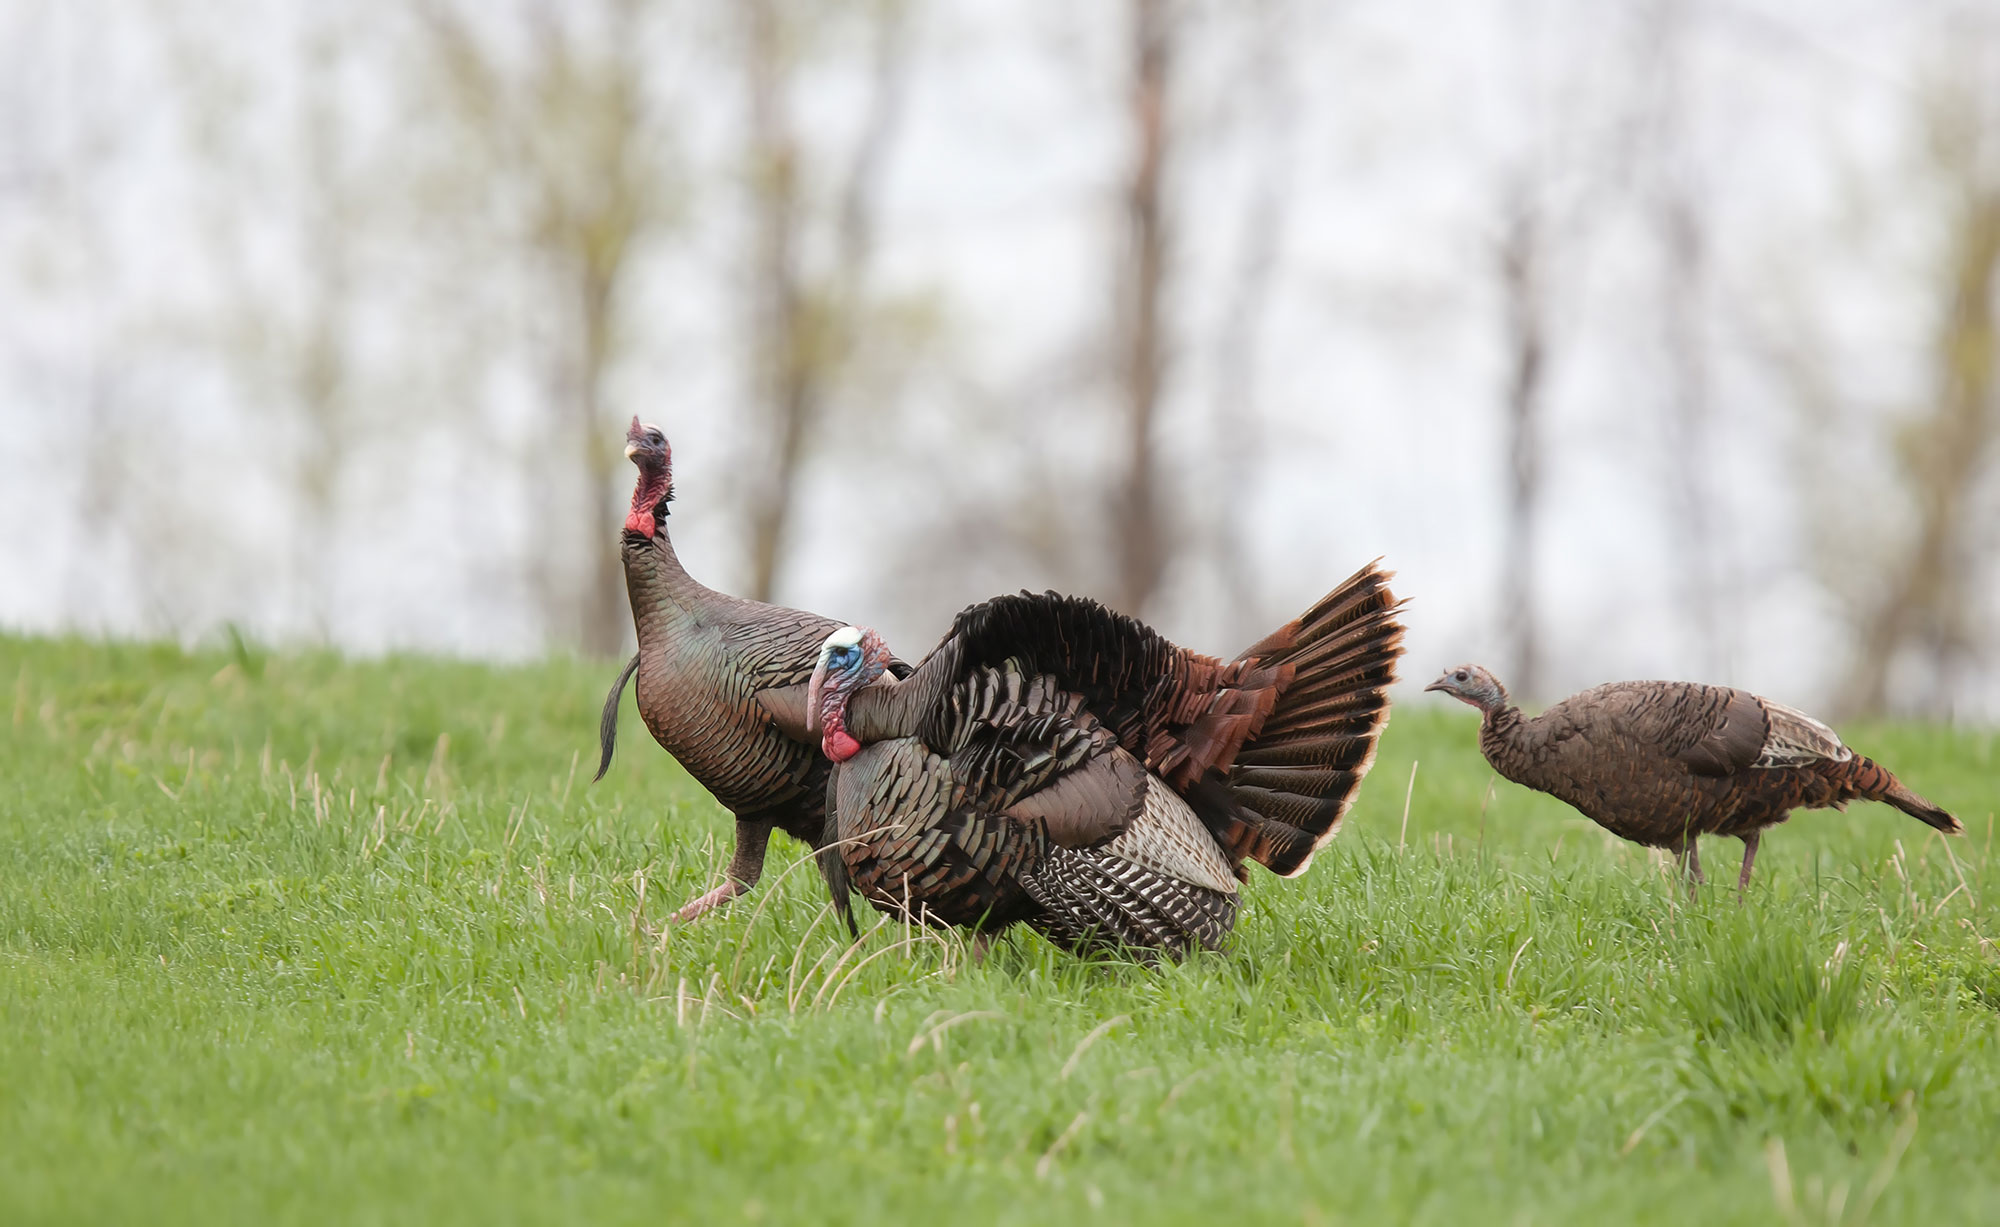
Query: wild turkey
1055	763
711	670
1660	763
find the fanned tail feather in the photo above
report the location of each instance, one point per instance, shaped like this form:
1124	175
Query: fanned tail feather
1286	789
1269	748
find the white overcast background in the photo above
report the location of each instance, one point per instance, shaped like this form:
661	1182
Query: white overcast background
145	479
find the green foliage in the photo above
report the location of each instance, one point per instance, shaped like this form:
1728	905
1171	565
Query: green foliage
284	937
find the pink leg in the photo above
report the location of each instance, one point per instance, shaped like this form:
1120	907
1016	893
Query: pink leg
703	904
1749	858
746	865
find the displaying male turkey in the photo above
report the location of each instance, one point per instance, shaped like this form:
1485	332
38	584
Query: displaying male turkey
1055	763
712	671
1660	763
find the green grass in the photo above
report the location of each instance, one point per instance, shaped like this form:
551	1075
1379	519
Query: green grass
287	938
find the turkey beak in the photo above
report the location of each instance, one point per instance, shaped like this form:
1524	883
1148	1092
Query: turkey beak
631	450
1441	684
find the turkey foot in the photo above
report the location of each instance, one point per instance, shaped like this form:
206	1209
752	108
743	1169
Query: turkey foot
703	904
746	865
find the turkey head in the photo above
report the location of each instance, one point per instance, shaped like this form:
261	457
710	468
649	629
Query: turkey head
1472	684
851	658
646	447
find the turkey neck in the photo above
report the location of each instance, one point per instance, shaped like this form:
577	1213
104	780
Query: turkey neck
1503	737
665	598
887	708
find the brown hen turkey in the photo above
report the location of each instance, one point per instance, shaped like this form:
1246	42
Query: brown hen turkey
1055	763
1661	763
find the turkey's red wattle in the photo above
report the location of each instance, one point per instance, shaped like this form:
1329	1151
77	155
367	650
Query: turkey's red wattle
835	741
652	488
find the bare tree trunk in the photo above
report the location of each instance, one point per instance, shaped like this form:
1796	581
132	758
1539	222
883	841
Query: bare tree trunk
572	123
1139	517
1523	286
1683	249
589	223
801	340
603	610
776	343
1691	423
1236	417
320	361
888	68
106	498
1923	604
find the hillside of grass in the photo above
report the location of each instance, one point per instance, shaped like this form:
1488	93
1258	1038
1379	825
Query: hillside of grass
285	938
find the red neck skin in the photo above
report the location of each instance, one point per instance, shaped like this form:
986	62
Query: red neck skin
651	489
834	740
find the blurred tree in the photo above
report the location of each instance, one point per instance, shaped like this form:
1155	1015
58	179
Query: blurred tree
1673	204
320	363
1236	416
60	143
1550	196
804	325
567	121
281	330
1923	609
1524	289
1139	521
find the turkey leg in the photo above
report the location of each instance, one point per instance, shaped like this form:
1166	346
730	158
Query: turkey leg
746	865
1749	858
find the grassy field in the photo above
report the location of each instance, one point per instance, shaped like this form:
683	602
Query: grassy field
291	939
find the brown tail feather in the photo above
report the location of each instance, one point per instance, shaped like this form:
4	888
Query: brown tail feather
1306	751
1871	781
1286	790
1330	648
1304	811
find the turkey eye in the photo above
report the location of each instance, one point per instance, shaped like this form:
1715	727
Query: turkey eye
1458	676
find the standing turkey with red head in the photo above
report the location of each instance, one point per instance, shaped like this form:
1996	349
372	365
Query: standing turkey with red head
1055	763
721	683
1662	763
